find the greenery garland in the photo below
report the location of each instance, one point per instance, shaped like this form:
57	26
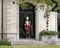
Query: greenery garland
48	2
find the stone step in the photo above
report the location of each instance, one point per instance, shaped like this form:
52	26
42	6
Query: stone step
29	43
35	42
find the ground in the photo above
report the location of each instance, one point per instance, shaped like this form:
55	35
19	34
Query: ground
48	46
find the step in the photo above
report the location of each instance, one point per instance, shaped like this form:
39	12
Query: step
35	42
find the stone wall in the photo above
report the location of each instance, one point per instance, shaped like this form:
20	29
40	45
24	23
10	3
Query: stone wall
12	20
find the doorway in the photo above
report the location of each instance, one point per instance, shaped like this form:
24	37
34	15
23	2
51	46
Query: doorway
23	13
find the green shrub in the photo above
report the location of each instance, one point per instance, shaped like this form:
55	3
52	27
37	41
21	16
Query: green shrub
5	42
46	32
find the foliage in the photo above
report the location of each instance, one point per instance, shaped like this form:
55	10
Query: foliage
5	42
58	8
46	32
24	5
48	2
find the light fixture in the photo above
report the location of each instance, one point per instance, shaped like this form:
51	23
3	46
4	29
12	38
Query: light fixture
13	2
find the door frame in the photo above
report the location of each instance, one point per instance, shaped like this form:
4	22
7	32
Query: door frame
35	23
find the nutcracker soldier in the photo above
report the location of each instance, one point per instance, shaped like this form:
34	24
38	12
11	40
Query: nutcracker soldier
27	27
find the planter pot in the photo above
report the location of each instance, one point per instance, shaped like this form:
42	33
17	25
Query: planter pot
50	37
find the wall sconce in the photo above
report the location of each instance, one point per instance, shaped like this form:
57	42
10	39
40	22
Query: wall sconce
13	2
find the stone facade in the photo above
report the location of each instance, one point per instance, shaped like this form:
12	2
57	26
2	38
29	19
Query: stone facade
11	20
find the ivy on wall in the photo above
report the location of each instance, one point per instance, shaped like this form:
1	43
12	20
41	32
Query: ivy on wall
58	5
54	6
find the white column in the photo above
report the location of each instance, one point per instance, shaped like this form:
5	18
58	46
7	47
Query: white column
37	22
40	21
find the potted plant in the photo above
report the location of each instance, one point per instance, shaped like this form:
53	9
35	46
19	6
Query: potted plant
48	35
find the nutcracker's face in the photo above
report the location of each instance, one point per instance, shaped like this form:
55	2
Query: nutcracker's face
27	18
